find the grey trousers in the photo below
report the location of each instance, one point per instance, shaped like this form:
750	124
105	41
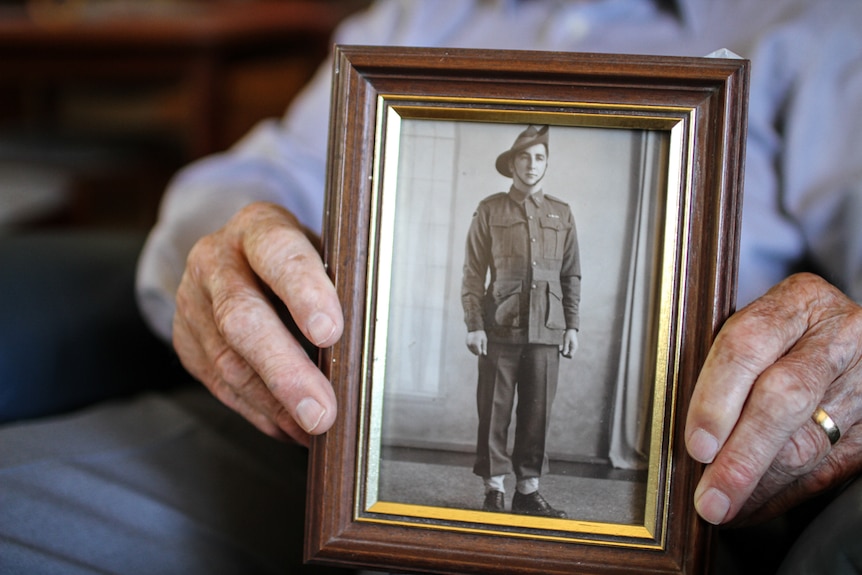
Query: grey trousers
528	373
820	537
108	462
160	483
832	541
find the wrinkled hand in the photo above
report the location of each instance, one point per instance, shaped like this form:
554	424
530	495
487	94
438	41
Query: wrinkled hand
771	365
477	342
570	343
229	335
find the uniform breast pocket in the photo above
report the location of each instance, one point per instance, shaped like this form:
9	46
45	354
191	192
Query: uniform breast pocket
554	232
508	236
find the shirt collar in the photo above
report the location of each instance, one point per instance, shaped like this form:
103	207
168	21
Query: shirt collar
538	196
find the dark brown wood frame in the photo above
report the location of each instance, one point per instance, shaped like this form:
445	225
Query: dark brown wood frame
708	99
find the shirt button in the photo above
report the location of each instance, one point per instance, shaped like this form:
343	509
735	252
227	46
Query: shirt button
533	286
534	264
533	240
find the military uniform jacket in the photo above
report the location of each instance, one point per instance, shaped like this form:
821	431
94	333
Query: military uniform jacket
528	253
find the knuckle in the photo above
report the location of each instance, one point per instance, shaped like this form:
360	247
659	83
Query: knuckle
248	217
809	282
738	474
740	344
262	212
232	369
844	344
185	299
805	289
271	232
235	313
200	254
832	470
296	266
204	265
291	378
800	454
222	390
788	385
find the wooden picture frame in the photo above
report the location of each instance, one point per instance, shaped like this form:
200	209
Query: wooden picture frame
648	153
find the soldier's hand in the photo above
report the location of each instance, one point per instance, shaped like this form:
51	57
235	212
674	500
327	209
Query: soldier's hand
229	335
477	342
570	343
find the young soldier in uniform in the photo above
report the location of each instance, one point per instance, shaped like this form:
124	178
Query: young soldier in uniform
520	322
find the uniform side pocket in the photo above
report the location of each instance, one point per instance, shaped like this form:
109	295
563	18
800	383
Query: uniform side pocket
507	303
556	318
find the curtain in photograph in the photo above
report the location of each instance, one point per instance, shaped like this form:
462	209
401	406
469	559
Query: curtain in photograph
630	424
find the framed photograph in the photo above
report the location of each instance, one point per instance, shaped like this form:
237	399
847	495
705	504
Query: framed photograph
534	252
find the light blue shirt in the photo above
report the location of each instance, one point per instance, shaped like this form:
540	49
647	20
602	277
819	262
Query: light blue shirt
803	177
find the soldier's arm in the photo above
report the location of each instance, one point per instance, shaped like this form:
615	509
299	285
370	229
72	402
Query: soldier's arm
476	264
570	277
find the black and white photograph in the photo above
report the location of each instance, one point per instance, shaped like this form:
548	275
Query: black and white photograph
515	320
533	253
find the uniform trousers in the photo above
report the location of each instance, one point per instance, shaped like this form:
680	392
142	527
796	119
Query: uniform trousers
529	373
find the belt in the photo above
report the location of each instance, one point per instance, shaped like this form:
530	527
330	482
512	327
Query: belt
538	274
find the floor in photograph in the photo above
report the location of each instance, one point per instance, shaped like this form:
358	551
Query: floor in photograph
585	492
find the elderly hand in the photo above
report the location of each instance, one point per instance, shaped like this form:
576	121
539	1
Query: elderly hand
228	332
772	364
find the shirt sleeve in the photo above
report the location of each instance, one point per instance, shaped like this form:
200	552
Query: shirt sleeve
570	276
476	261
803	189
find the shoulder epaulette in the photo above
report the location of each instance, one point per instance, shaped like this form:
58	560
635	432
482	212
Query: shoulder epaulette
555	199
493	197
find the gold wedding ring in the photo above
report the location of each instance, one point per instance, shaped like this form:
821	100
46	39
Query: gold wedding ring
822	419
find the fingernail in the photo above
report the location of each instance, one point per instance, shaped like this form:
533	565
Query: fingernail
712	505
702	446
320	328
309	413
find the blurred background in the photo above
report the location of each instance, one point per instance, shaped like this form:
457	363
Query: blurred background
101	101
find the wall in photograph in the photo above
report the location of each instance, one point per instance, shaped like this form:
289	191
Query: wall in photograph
445	169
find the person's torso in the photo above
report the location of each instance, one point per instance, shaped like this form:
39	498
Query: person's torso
527	248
